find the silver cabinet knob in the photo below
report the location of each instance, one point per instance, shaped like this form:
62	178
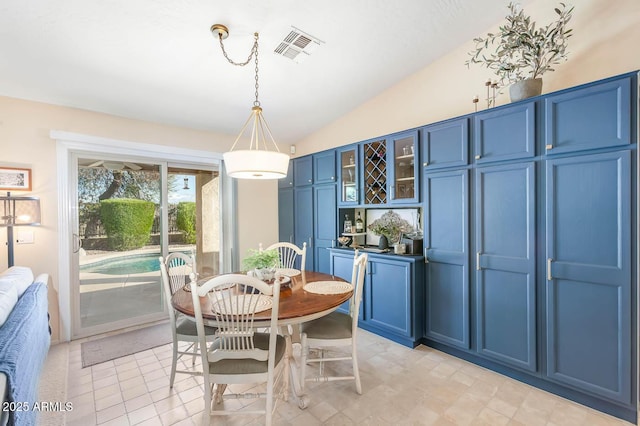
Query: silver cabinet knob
478	157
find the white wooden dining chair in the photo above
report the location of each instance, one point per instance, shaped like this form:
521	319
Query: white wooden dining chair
175	271
290	254
240	354
334	330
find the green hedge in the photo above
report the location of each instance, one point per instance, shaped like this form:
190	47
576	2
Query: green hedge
127	222
186	220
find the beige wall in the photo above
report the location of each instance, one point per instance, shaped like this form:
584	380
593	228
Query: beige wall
25	142
605	43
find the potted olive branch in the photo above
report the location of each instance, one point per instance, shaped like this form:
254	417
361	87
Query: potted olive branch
519	53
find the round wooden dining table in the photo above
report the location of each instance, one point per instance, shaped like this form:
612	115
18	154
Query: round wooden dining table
296	305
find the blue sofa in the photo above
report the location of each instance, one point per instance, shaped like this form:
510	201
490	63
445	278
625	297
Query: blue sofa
24	343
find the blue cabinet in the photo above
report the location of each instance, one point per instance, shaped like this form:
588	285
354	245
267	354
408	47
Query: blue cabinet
446	245
389	296
392	296
285	215
403	169
325	226
324	167
505	133
595	116
303	171
287	181
505	264
341	265
348	176
303	221
588	267
445	144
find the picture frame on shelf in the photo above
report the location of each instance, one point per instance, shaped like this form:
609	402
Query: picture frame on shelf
15	179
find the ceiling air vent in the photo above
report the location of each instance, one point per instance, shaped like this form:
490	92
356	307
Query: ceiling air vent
297	45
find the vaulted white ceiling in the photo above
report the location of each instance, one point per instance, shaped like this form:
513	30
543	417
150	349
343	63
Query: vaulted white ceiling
156	60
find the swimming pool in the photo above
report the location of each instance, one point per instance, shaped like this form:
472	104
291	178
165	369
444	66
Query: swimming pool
132	264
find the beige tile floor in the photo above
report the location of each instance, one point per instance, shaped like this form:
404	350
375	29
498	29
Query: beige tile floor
401	386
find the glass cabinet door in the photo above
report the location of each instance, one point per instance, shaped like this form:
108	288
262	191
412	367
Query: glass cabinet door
403	168
349	178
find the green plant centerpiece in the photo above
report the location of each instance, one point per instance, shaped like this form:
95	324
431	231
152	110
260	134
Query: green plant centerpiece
262	264
391	226
519	53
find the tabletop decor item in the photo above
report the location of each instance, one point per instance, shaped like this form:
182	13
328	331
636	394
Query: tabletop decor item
262	264
390	227
519	52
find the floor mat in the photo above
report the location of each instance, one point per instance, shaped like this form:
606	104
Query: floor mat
123	344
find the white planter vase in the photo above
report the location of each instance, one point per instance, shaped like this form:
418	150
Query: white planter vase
525	89
263	274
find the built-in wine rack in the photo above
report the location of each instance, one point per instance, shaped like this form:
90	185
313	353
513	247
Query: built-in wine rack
375	172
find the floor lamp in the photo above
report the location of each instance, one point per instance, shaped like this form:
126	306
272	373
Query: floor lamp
18	211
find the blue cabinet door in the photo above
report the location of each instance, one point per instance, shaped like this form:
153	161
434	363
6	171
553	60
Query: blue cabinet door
303	221
389	296
285	215
287	181
505	133
348	176
303	171
505	264
324	167
325	225
446	241
595	116
445	144
342	266
588	286
403	168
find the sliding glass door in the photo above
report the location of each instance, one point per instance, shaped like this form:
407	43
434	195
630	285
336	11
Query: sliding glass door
129	213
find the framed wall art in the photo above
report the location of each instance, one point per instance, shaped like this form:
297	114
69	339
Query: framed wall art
14	179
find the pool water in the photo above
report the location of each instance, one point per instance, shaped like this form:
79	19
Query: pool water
135	264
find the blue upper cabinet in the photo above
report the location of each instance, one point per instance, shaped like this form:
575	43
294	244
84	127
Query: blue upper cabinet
348	175
505	133
403	169
445	144
324	167
589	289
303	171
287	181
591	117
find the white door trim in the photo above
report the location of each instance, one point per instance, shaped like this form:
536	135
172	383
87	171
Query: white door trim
66	143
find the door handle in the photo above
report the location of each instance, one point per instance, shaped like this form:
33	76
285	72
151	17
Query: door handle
426	260
77	242
549	277
478	268
310	241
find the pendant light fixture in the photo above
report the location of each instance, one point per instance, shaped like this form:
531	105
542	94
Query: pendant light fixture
257	162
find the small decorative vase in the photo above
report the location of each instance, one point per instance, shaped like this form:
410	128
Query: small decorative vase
264	274
525	89
383	243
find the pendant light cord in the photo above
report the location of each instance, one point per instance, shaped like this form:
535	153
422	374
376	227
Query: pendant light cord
252	54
